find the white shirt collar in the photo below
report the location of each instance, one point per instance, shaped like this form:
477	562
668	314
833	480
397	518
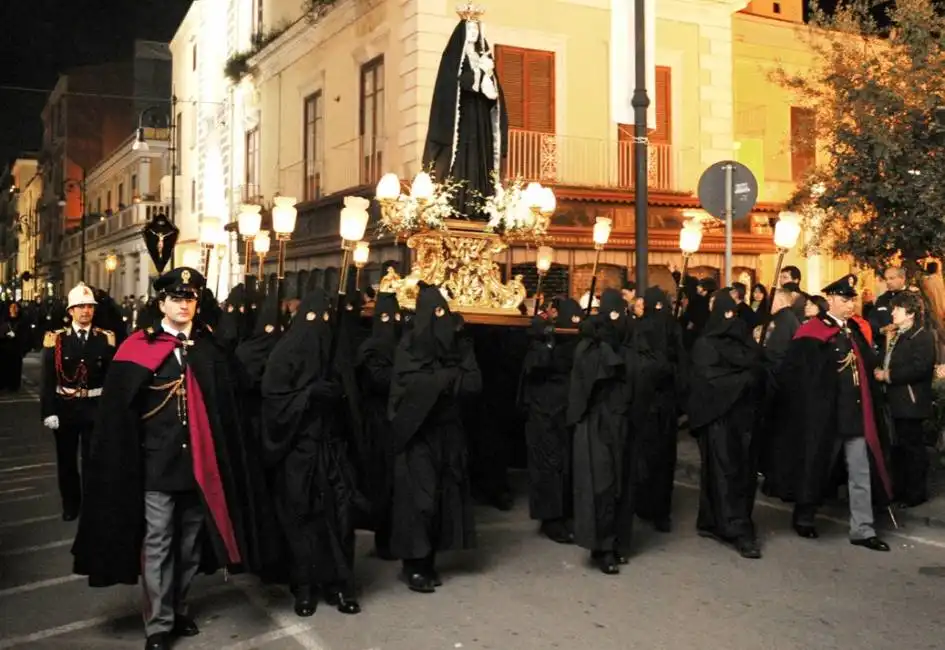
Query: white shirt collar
77	328
174	332
841	323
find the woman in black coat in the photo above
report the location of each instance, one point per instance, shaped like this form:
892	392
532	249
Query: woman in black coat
909	364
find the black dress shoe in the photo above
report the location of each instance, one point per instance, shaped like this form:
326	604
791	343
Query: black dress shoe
557	531
805	531
607	563
344	604
185	626
305	602
420	582
873	543
748	548
159	641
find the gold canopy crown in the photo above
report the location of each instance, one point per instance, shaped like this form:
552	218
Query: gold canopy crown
470	11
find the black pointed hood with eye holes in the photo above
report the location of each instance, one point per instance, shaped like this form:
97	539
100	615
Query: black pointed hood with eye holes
570	315
434	330
299	359
612	319
388	321
233	328
253	353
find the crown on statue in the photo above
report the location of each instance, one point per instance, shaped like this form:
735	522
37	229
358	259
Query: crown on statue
470	11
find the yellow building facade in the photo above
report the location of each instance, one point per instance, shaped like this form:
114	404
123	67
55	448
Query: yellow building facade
331	105
28	194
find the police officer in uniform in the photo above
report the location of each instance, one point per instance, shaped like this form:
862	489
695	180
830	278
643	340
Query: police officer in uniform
75	360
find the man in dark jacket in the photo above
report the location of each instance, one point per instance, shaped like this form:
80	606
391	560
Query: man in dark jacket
907	376
880	317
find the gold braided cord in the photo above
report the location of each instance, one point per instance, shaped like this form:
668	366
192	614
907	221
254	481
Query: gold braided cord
173	388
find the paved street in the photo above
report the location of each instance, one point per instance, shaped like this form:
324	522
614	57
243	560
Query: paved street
517	592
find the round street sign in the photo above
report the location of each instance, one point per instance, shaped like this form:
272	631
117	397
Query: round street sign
712	190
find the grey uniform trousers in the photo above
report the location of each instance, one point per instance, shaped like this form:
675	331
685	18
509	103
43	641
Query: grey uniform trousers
171	555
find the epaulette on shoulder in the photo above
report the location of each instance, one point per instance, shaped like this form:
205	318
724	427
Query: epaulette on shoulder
50	338
109	335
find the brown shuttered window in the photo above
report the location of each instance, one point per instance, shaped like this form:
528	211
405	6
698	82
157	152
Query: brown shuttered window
803	141
662	133
528	83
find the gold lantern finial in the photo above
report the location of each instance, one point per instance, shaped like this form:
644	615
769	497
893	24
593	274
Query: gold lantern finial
470	11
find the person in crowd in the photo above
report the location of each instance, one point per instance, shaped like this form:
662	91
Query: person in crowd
75	361
14	344
815	307
375	365
906	373
434	367
789	275
598	409
305	444
167	475
546	375
743	309
723	406
827	405
629	293
881	317
759	297
667	383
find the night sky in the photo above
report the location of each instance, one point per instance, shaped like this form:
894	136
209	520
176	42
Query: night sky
42	38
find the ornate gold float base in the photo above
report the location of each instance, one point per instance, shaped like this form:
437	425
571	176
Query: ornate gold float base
459	259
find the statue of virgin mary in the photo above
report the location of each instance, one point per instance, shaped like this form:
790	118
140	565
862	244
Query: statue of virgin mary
467	139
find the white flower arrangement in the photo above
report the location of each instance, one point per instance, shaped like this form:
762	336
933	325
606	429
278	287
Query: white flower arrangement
409	213
510	213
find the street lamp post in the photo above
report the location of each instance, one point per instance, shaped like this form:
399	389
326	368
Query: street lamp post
361	255
141	144
71	183
543	259
640	103
111	264
248	224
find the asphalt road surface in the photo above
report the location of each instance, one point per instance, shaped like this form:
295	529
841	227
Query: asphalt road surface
518	591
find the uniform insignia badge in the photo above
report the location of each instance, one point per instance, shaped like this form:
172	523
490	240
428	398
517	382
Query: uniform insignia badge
185	276
852	281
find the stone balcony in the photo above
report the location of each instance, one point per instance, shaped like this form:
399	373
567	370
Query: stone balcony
106	230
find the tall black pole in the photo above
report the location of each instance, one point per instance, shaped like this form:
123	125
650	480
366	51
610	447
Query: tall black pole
640	103
172	134
82	226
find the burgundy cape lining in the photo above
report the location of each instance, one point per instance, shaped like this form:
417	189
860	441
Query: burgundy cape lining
151	354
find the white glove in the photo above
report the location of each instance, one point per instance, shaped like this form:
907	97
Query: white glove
52	422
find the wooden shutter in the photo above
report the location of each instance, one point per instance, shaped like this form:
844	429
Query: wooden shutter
528	84
663	94
803	141
510	66
540	91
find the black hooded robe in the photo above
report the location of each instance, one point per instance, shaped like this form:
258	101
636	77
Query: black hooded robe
432	508
304	443
597	407
727	376
374	366
546	376
14	344
667	383
467	137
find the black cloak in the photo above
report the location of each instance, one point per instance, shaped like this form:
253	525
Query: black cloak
432	509
374	366
303	441
546	376
727	375
467	137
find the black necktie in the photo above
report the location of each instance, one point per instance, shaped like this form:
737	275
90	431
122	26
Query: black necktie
183	348
82	338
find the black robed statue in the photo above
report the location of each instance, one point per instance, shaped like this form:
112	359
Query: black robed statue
467	139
